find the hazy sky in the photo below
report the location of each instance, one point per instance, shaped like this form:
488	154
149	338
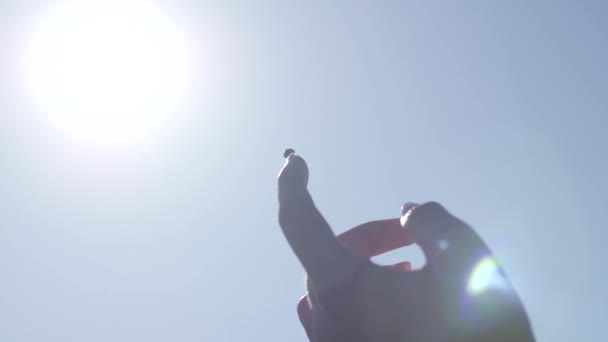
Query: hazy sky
497	109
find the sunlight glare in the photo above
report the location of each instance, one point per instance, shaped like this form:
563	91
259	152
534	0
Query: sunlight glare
107	72
486	275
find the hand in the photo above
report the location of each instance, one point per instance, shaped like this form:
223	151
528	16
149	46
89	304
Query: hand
461	294
367	240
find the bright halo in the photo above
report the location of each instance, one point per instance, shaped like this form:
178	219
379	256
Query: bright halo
107	72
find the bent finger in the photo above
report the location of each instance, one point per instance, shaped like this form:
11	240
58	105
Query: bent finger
448	243
377	237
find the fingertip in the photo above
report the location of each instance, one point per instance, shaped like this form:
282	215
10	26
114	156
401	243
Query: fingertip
407	207
438	232
288	152
427	214
296	159
293	179
293	164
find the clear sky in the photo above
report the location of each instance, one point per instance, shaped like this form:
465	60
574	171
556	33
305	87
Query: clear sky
497	109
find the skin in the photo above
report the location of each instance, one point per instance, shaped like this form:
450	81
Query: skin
351	299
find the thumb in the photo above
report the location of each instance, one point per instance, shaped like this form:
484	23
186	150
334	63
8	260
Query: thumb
450	246
460	259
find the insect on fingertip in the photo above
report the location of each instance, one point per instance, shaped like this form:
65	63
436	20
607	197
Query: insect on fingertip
288	152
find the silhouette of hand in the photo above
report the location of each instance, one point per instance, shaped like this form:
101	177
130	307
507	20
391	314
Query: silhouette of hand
461	294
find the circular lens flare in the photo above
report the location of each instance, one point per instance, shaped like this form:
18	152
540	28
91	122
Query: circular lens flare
107	72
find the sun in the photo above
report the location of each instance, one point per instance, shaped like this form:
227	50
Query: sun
107	72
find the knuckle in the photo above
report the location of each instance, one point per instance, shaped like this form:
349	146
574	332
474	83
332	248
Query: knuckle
431	216
433	208
428	212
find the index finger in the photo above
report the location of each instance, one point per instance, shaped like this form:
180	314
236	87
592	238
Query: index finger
376	237
327	262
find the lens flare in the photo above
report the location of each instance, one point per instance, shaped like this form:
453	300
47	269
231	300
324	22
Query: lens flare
485	275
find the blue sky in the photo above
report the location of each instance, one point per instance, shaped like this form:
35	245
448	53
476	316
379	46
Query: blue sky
496	109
